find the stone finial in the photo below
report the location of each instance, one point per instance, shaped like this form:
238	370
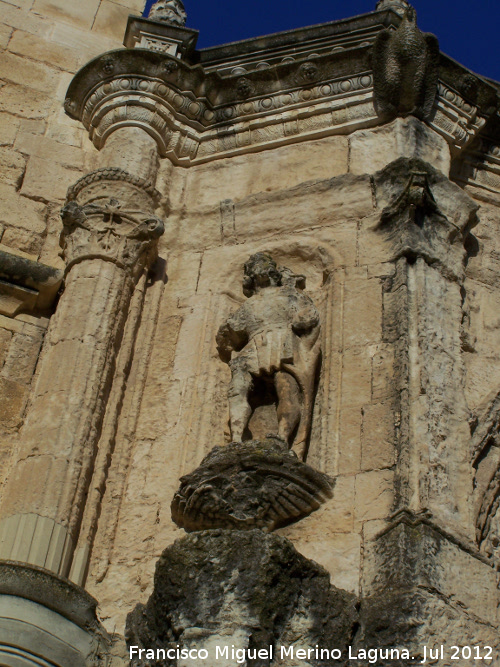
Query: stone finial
399	6
405	70
169	11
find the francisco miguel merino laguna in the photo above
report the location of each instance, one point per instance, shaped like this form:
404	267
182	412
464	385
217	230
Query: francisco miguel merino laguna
372	655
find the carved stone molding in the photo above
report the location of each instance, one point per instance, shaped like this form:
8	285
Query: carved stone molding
106	175
480	165
225	100
45	619
256	484
193	128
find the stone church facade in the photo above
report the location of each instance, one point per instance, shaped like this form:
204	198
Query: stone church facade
249	343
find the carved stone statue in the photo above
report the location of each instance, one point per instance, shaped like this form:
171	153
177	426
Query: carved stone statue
398	6
405	69
169	11
274	335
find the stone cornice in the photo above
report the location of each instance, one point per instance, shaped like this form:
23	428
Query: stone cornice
237	100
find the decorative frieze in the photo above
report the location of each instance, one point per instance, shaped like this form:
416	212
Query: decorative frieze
196	115
456	119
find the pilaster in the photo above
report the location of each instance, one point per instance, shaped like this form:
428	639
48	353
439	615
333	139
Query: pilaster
109	237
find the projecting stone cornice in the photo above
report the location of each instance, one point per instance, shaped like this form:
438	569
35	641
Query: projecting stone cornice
265	92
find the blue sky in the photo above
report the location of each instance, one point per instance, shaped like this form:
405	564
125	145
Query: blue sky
467	31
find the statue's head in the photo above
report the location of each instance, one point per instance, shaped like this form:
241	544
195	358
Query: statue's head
169	11
260	271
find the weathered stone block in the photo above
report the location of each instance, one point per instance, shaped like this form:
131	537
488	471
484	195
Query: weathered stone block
377	441
22	4
50	150
80	14
23	354
356	377
17	211
47	181
5	338
111	19
12	165
12	398
362	312
5	33
349	456
414	555
36	48
277	597
383	373
24	101
374	495
32	126
373	149
8	129
27	241
27	73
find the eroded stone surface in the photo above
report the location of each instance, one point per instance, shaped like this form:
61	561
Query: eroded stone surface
240	589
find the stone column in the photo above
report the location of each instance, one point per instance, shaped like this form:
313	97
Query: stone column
413	569
109	236
425	222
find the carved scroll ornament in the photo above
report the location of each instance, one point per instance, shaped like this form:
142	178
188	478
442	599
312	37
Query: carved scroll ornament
107	231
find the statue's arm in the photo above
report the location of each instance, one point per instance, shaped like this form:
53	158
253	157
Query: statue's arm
306	318
232	336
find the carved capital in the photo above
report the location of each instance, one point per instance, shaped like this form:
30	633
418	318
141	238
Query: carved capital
415	203
424	214
107	231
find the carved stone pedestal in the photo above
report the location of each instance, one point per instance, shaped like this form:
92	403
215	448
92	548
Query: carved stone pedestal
256	484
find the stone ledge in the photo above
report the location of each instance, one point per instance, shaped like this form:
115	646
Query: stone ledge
25	284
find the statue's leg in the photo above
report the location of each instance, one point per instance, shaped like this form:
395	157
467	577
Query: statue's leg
288	411
239	408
